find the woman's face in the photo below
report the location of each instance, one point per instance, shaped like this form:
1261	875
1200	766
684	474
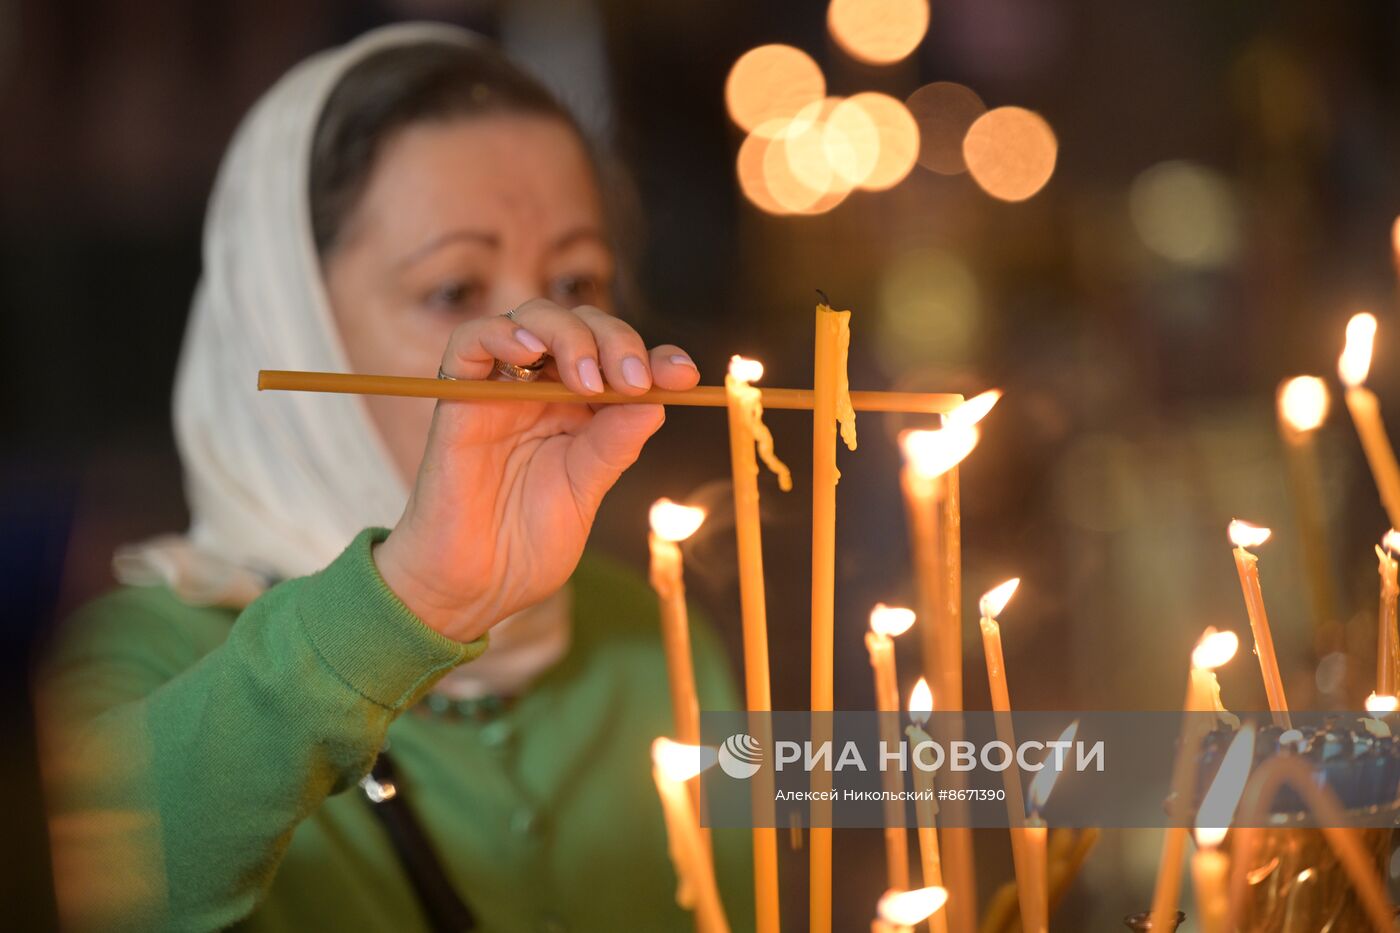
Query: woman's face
461	218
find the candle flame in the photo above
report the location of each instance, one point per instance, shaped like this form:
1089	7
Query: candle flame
1218	808
744	369
1243	534
994	600
1382	703
972	411
906	908
1214	649
1303	402
920	702
1391	541
672	521
680	762
890	620
1044	781
1355	362
933	453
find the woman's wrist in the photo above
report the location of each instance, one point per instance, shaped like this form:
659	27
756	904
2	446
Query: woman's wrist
446	613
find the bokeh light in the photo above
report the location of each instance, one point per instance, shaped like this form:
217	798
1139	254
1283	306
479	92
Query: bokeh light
897	135
944	111
878	32
928	309
1010	152
750	167
771	82
1185	213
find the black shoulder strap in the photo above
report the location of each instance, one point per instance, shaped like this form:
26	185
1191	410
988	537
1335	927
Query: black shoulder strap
446	912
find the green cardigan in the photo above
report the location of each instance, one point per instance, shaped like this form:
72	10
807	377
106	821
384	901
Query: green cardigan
203	764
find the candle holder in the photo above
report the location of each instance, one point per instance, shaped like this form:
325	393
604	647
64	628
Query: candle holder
1142	922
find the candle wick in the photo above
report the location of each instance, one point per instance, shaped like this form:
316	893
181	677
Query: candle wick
822	295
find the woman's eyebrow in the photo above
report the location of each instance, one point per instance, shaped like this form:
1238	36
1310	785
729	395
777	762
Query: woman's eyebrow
570	237
489	240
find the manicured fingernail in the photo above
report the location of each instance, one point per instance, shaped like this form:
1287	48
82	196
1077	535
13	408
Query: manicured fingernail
635	374
529	341
589	375
680	359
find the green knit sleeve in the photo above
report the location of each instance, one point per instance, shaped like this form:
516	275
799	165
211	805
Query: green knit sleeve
178	775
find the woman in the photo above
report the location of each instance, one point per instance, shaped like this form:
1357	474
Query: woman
208	727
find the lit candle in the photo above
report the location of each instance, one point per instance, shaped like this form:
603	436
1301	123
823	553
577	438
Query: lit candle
1210	869
1036	834
831	403
1303	402
672	523
900	911
1202	696
675	765
1029	886
930	860
933	502
1244	535
1353	367
886	622
1380	705
1387	636
749	438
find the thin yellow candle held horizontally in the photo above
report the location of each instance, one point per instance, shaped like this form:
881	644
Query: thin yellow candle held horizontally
930	858
674	765
932	498
1210	869
1030	883
672	523
1202	696
1303	402
887	622
1244	535
1387	635
830	404
901	911
750	438
1353	367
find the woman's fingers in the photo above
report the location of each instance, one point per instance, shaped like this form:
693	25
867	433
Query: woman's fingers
623	354
569	340
477	344
672	368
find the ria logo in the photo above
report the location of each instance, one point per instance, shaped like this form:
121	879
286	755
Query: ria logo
740	756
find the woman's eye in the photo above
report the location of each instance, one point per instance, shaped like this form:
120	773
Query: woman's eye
454	296
571	290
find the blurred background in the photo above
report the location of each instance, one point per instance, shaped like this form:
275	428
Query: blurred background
1170	208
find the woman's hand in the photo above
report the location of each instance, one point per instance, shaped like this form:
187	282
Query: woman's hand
507	491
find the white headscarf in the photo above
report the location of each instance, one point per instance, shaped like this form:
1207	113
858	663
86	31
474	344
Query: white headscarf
278	483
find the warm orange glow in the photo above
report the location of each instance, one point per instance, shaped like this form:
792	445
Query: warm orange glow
1010	152
973	410
1214	649
771	82
745	369
852	142
796	172
1303	402
944	111
1217	809
896	133
1044	781
1380	703
890	620
1395	238
906	908
994	600
933	453
676	761
751	167
672	521
1355	362
878	32
1243	534
1391	541
920	702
